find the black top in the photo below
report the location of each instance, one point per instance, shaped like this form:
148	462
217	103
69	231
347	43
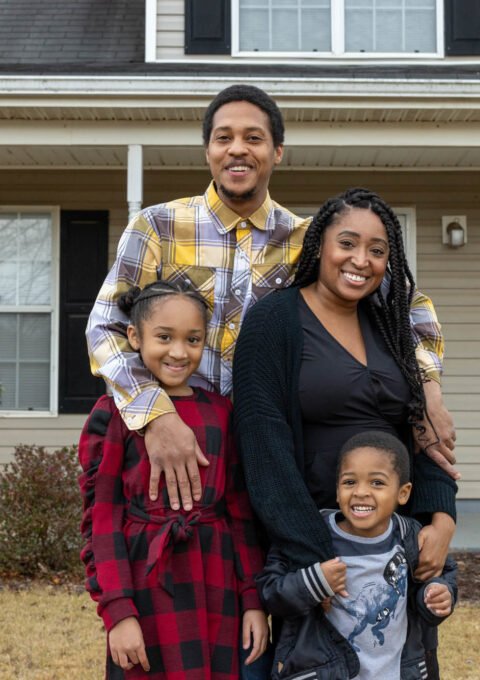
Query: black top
339	397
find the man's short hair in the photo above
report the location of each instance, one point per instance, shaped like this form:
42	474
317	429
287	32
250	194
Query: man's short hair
384	442
253	95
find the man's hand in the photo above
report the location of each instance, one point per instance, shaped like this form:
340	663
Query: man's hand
434	542
254	634
438	440
438	599
335	571
127	646
173	450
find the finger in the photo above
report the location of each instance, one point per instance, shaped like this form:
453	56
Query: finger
343	593
185	488
246	636
441	455
123	661
155	472
172	488
201	459
195	481
132	655
143	659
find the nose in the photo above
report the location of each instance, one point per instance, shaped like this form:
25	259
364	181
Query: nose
237	146
177	350
359	258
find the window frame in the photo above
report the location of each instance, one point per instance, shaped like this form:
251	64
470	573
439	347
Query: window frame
52	309
337	26
410	240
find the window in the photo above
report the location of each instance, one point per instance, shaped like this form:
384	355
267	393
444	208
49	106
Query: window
28	300
338	27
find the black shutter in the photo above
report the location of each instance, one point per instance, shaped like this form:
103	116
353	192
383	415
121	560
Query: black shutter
462	27
83	267
207	27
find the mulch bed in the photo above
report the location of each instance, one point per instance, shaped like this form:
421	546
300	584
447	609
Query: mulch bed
468	579
468	576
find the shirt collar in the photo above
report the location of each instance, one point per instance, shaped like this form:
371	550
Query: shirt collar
226	219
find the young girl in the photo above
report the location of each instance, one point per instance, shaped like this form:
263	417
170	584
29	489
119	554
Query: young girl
373	628
171	586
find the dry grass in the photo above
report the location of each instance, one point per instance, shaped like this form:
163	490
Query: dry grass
53	633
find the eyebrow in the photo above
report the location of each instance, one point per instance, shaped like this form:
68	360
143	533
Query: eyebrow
370	474
347	232
254	128
170	328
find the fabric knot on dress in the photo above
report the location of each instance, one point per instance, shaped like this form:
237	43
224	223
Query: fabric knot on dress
173	527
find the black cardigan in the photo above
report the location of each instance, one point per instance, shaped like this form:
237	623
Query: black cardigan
268	425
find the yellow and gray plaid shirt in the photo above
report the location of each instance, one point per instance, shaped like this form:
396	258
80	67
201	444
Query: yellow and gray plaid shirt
233	262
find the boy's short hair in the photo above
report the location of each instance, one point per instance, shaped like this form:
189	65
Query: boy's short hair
382	441
252	95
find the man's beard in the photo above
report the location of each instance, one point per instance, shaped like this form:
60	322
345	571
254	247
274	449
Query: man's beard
232	196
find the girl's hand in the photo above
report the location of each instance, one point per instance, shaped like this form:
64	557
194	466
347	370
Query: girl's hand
438	599
254	633
434	542
127	646
335	571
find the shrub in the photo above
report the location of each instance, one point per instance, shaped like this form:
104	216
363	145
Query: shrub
40	512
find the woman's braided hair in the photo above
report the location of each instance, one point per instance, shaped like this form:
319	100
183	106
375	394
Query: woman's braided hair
391	314
136	303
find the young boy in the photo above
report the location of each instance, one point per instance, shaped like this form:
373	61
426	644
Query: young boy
372	630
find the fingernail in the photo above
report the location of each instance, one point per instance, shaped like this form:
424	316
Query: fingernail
175	506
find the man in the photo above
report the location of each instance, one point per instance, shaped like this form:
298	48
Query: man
234	244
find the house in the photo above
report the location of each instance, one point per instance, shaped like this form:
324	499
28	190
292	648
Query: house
101	104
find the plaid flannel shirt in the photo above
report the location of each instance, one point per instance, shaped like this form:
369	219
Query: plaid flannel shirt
233	262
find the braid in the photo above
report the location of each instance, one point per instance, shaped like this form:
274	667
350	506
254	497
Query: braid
391	314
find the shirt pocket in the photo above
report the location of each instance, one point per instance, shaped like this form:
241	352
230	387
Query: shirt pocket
269	277
200	279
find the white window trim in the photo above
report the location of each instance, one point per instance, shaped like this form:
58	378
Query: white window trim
150	31
411	228
338	40
53	308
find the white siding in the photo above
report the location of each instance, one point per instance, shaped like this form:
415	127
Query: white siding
170	29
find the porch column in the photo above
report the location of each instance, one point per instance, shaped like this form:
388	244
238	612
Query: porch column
134	179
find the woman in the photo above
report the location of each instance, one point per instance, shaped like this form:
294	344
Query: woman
325	359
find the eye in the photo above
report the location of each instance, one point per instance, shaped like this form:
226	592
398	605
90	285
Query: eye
222	138
194	340
255	138
348	482
163	337
378	482
346	243
378	252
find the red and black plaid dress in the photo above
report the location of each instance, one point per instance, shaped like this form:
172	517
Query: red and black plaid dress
187	576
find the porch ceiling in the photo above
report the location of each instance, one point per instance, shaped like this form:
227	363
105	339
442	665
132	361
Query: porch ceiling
192	157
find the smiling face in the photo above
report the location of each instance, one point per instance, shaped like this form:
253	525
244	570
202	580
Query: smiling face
171	342
353	256
368	491
241	155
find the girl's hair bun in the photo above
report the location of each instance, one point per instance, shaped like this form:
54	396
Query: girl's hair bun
128	299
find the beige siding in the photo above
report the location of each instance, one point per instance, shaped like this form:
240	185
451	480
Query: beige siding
170	29
451	277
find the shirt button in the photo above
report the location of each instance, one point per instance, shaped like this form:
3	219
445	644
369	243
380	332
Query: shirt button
231	326
188	282
238	291
243	225
278	280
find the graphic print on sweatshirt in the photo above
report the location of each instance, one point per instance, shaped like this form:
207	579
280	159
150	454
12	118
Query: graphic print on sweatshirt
373	618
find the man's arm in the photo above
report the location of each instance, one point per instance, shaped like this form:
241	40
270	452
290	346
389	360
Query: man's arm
438	439
171	445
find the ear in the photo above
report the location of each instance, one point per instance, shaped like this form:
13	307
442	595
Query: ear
404	493
133	338
278	154
207	156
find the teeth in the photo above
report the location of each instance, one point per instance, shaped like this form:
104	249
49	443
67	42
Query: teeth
239	168
363	508
354	277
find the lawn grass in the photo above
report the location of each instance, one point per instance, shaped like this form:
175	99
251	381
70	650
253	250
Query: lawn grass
53	633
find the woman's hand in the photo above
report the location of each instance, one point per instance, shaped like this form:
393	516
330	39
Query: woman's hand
127	646
438	599
434	542
254	633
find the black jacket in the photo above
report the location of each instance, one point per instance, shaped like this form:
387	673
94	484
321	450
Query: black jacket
268	425
311	648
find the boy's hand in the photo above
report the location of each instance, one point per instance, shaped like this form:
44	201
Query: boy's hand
438	599
254	633
335	571
127	646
